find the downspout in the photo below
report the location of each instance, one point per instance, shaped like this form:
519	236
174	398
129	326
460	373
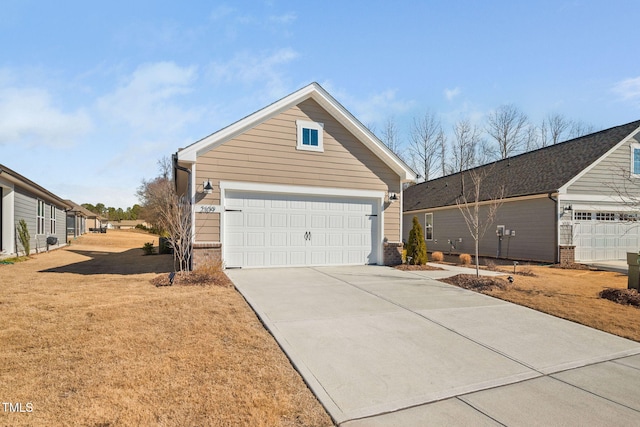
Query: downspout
555	226
177	167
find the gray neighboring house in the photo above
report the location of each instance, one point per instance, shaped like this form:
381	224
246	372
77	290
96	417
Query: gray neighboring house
77	220
560	202
43	211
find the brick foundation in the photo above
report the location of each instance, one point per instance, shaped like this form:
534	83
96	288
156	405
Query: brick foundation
392	253
204	253
567	254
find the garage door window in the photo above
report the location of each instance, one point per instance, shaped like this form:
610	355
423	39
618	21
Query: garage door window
310	136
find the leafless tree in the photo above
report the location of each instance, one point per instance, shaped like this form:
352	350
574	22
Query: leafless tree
464	145
427	142
471	202
169	213
553	129
391	137
507	125
579	128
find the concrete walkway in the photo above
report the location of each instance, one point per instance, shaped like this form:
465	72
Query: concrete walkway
382	347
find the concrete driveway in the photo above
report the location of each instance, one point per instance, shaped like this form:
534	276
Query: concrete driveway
382	347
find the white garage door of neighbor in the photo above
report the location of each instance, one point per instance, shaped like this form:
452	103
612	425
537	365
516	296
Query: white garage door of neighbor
603	240
268	230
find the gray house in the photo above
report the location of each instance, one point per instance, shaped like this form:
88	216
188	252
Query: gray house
43	211
574	200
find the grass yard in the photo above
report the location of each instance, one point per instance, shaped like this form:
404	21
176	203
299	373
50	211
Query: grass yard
87	340
573	295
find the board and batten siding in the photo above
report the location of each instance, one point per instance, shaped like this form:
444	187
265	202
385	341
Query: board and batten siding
25	207
607	175
532	219
267	154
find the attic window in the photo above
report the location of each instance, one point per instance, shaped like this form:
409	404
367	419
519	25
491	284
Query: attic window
309	136
635	160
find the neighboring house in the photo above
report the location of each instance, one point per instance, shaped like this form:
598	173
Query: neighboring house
77	217
558	199
95	221
126	224
43	211
299	182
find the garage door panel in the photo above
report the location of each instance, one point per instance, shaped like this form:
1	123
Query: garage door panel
599	241
297	220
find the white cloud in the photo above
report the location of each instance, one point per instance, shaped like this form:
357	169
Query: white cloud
628	89
287	18
264	69
147	101
452	93
28	115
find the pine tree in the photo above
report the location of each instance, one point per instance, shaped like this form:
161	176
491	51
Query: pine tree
416	246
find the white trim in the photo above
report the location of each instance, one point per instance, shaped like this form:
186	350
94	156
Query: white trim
565	187
425	226
307	191
322	97
305	124
8	216
486	202
634	146
192	196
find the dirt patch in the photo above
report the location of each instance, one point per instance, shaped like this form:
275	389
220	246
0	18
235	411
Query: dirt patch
87	340
573	295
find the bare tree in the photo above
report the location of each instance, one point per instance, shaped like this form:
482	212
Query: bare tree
469	204
427	140
391	137
507	125
169	213
553	129
579	128
464	145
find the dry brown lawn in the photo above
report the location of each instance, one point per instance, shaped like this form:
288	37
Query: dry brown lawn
87	340
573	295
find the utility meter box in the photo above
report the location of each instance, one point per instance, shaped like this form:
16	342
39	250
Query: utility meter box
633	261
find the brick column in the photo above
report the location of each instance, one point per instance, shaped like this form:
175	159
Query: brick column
204	253
392	253
567	255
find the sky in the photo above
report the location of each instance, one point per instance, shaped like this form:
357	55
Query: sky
93	94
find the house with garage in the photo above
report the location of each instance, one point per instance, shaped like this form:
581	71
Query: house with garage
77	220
43	211
300	182
576	200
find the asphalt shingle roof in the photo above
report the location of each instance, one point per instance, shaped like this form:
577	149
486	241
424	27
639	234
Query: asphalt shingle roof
536	172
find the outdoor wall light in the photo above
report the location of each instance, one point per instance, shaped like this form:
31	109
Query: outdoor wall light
393	197
207	187
568	208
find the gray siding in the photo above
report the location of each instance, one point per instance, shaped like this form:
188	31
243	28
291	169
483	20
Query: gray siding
532	219
26	206
607	175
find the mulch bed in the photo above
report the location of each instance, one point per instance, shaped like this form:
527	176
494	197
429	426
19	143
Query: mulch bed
622	296
407	267
480	284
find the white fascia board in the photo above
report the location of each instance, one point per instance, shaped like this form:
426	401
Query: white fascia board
564	188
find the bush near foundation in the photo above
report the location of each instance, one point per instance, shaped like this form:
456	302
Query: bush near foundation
465	259
437	257
416	246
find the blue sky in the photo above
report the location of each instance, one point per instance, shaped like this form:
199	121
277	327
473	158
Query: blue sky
93	94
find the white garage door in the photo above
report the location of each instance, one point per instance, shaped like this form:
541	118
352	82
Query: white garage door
267	230
610	239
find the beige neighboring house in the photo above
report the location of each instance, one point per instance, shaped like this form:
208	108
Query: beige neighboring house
300	182
127	224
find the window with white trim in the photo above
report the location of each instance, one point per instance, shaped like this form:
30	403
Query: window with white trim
428	226
52	219
582	216
40	218
635	160
309	136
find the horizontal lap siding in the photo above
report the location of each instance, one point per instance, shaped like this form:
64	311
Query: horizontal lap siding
26	206
267	154
533	220
606	178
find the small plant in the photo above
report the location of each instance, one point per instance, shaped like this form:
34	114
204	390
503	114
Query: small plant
148	248
416	246
465	259
24	236
437	257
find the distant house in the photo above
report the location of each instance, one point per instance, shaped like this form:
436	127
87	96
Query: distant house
77	220
43	211
128	224
560	202
299	182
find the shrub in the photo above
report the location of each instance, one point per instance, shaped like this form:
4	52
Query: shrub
24	236
416	246
465	259
148	248
211	273
437	256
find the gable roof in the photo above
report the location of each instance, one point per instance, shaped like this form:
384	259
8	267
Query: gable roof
542	171
23	182
322	97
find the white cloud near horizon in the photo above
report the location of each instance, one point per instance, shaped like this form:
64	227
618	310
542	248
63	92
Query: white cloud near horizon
628	89
449	94
29	115
147	101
